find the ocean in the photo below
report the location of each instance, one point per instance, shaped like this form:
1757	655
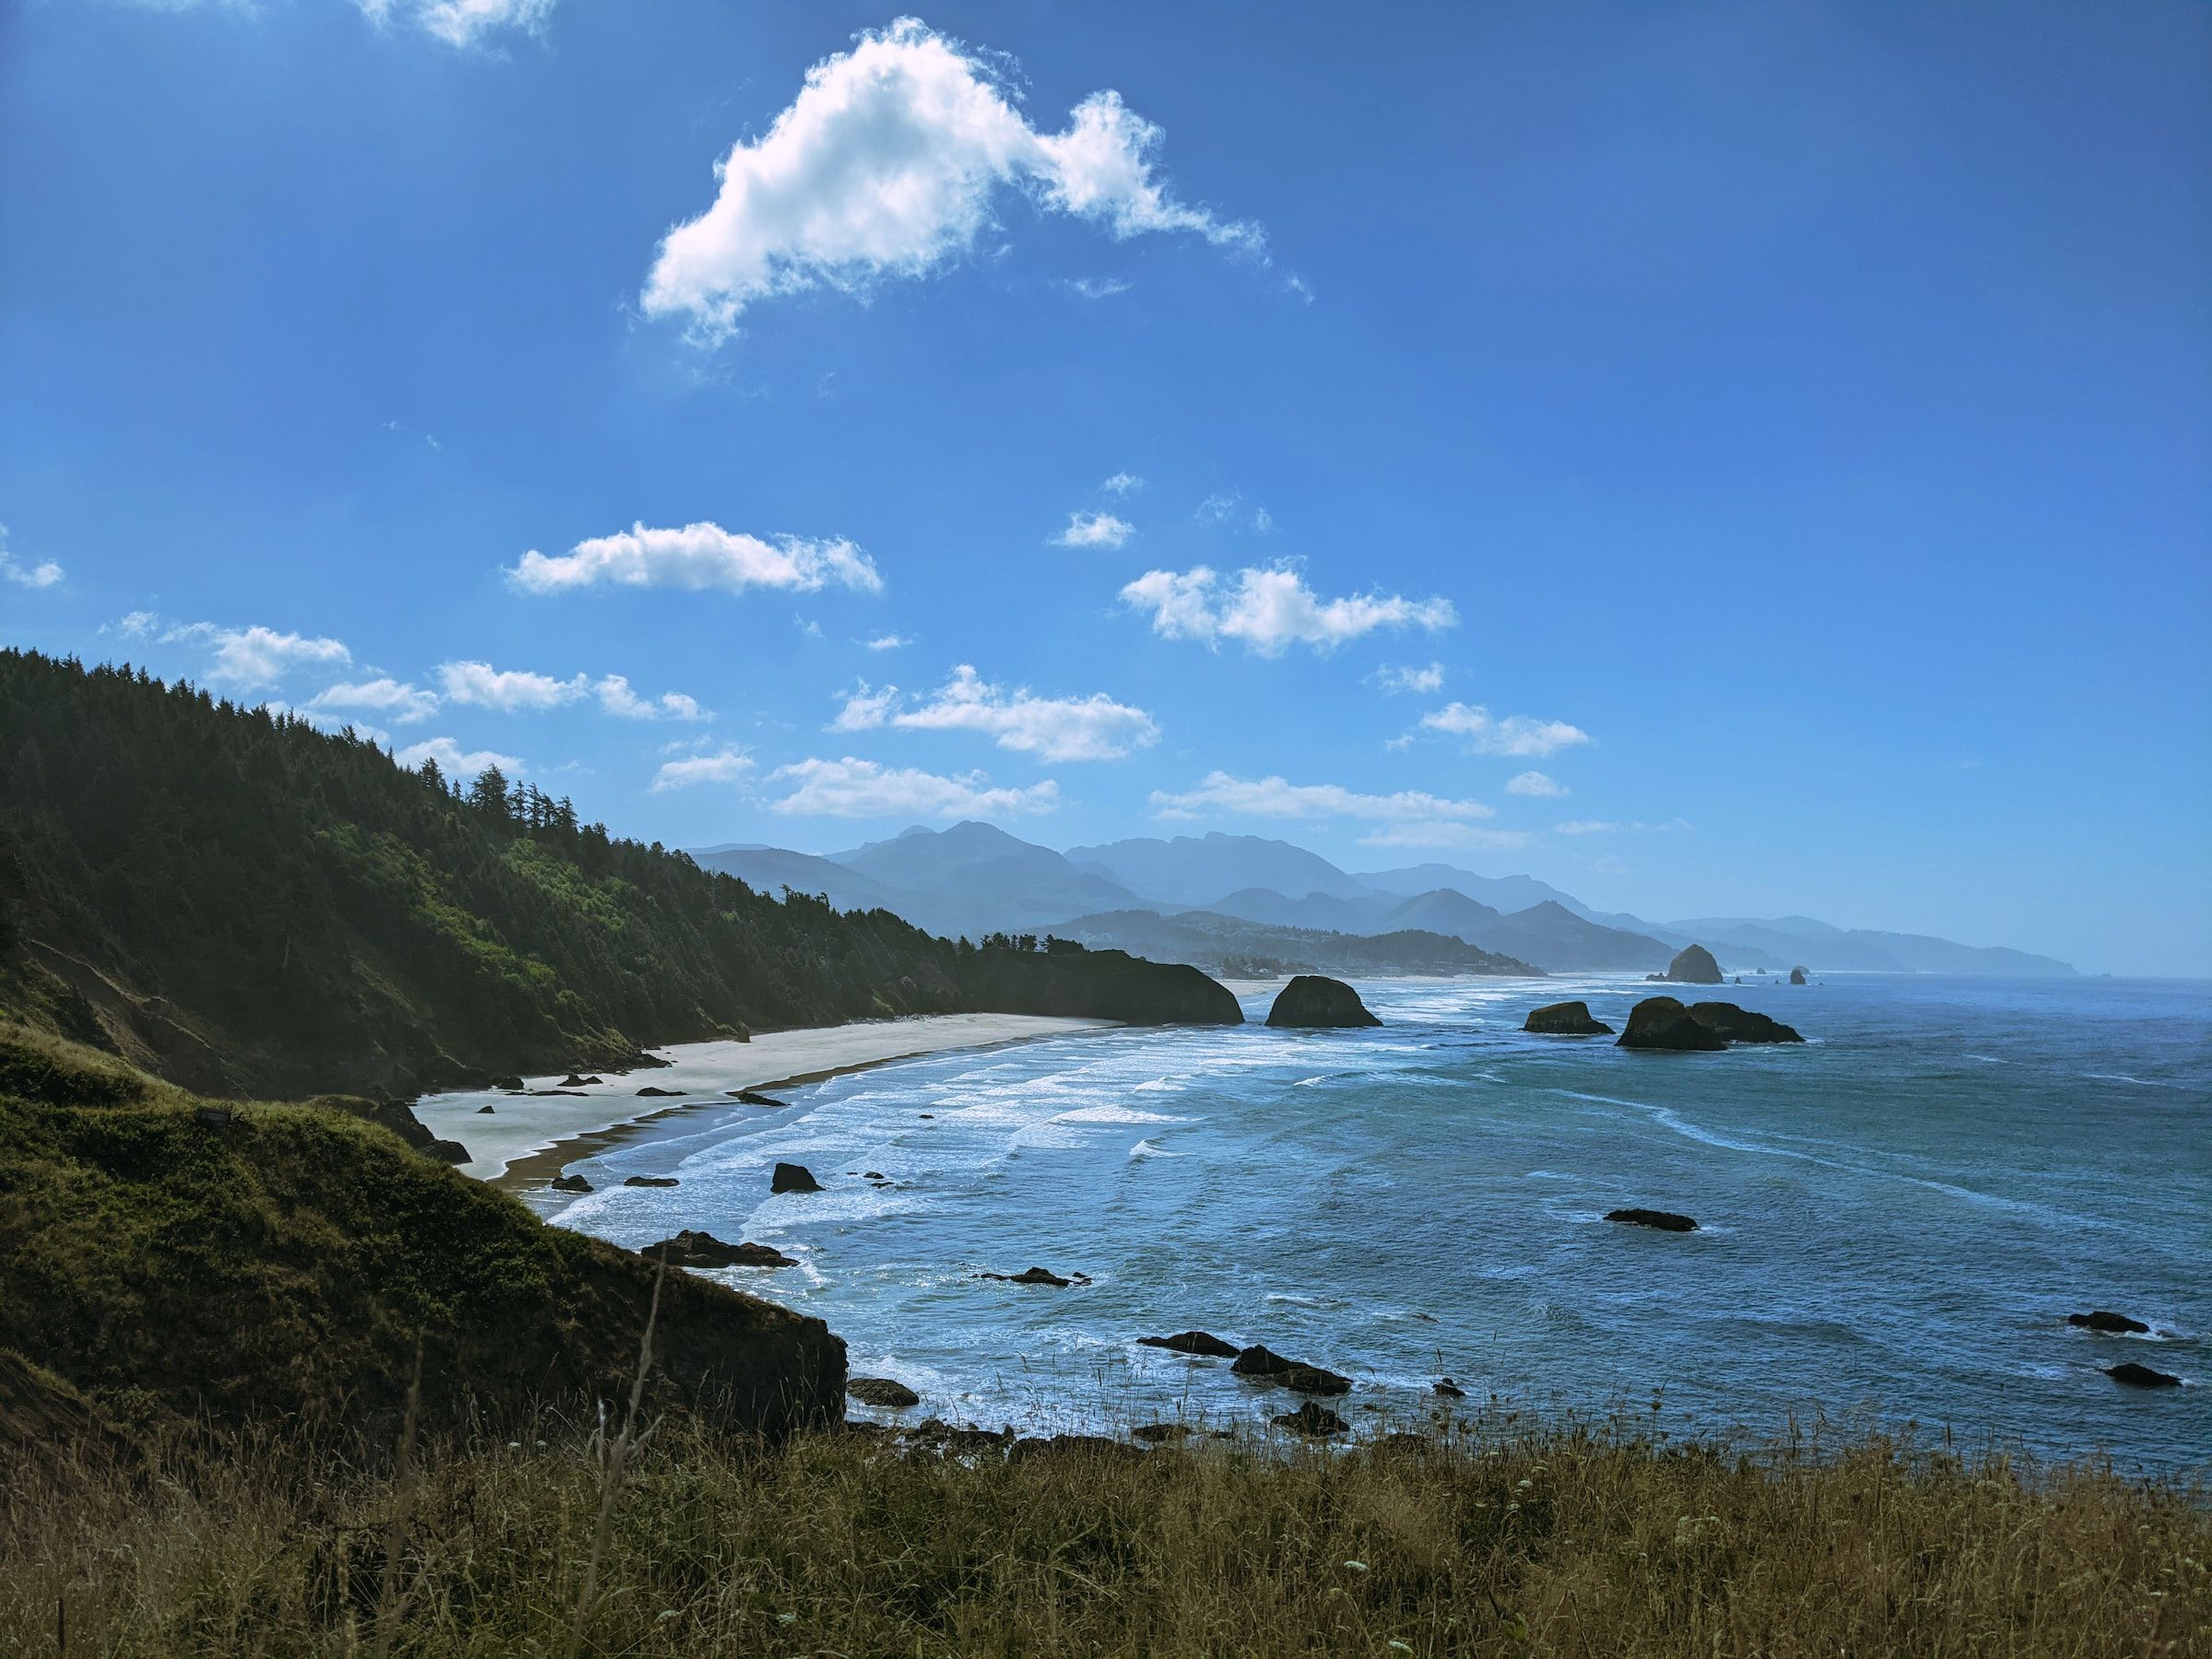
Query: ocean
1895	1218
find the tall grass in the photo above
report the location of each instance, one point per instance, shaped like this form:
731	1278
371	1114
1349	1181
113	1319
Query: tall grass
1568	1541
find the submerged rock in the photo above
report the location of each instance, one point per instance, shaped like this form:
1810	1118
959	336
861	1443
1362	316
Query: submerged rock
1259	1361
663	1094
2114	1324
1796	976
1693	965
2141	1376
1268	1366
483	1111
649	1181
1565	1019
1314	1380
1741	1025
1664	1221
882	1390
753	1097
1313	1001
689	1249
571	1184
1449	1389
1029	1275
1313	1419
1193	1342
793	1177
1661	1022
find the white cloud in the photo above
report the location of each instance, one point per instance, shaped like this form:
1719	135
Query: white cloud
1270	610
249	657
728	764
1427	681
1123	484
850	788
1534	783
455	761
509	690
1516	735
405	703
138	625
1056	729
616	698
1095	288
699	556
1221	792
1443	832
45	573
889	641
1094	530
886	165
462	22
1625	827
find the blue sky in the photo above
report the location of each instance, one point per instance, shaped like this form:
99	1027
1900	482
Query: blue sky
1721	459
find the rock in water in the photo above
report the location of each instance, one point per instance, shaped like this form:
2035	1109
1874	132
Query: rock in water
571	1184
753	1097
1661	1022
1314	1380
1313	1419
652	1181
2141	1376
689	1249
2114	1324
882	1390
793	1177
1260	1362
1796	976
1029	1275
1693	966
1193	1342
1664	1221
1311	1000
663	1094
1449	1389
1565	1019
1741	1025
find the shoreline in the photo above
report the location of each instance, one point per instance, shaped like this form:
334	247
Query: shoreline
527	1138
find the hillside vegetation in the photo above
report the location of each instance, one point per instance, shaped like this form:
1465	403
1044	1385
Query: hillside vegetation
248	906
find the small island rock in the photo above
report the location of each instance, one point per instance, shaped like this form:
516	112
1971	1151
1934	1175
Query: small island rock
1193	1342
1664	1221
1565	1019
571	1184
1029	1275
1693	965
882	1390
2112	1325
1661	1022
1312	1000
1742	1025
793	1177
2141	1376
689	1249
1796	976
649	1181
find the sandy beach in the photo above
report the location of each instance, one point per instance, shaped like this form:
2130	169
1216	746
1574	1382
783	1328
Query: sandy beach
522	1125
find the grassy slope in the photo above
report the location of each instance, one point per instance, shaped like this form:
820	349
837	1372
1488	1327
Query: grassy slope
284	1266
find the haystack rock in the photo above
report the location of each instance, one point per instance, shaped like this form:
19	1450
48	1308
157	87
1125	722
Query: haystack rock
1693	966
1661	1022
1311	1000
1565	1019
1796	976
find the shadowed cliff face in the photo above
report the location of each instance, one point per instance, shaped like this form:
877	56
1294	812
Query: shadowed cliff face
283	1264
1094	984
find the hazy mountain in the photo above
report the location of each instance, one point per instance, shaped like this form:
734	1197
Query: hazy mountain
1504	894
975	879
1553	935
1789	941
1232	947
1199	870
1314	910
771	869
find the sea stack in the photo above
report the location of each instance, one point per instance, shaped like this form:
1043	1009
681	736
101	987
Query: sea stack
1742	1025
1796	976
1661	1022
1565	1019
1693	965
1311	1000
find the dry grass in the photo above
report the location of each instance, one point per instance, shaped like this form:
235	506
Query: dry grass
1565	1542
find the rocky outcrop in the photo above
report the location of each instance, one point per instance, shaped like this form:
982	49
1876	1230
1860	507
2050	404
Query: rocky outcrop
1664	1221
1741	1025
882	1390
1448	1388
753	1097
1094	984
2111	1324
1796	976
1661	1022
1693	965
1313	1001
571	1184
1565	1019
793	1177
1029	1275
2141	1376
650	1092
689	1249
649	1181
1193	1342
573	1082
1267	1366
1313	1419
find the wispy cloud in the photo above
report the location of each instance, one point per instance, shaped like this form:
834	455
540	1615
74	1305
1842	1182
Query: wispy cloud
1534	783
43	575
1482	733
1612	827
886	165
851	788
1427	680
616	698
1095	288
1444	833
728	764
1054	728
453	760
395	699
889	641
1272	609
248	658
698	557
1094	530
1223	792
462	22
1123	484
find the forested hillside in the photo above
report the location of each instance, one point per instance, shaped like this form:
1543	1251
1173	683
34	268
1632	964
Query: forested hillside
248	905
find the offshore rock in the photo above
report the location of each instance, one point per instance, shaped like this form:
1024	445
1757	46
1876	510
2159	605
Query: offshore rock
1565	1019
1313	1001
1661	1022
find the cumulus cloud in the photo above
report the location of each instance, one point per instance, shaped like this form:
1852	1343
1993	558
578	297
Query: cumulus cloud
462	22
43	575
728	764
699	556
1533	784
402	702
509	690
249	657
850	788
453	760
889	641
1055	728
616	698
1268	610
1094	530
1517	734
1427	681
1222	792
888	165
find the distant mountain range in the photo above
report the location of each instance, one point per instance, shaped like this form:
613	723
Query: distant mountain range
1238	903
